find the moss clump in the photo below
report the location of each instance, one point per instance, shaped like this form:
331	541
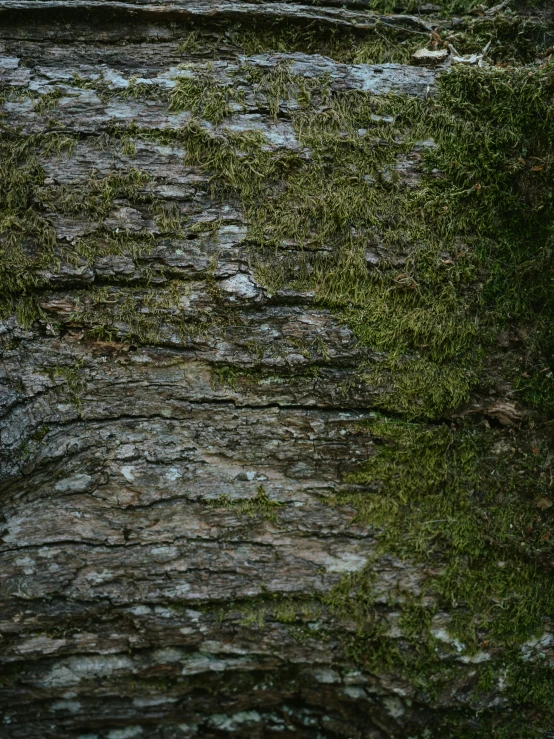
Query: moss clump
495	131
73	382
482	497
29	249
259	505
255	37
198	95
454	265
517	36
486	221
474	506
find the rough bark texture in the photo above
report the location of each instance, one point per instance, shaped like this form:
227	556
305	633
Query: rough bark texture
177	487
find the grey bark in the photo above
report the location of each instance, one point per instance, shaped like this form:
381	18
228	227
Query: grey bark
119	568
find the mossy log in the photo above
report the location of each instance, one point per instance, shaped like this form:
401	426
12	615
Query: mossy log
276	377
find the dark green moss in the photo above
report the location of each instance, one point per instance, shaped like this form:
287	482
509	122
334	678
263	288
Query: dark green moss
482	497
473	506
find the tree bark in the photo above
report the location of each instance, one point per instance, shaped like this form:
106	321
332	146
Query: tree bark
180	434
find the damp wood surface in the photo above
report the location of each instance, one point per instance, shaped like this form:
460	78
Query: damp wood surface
276	369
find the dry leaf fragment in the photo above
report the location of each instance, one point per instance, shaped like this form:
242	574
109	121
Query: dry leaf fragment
544	503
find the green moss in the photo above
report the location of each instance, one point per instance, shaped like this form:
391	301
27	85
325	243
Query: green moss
494	152
429	279
416	387
532	684
466	235
274	86
73	382
95	197
241	379
513	39
471	504
48	101
28	245
40	433
225	375
254	37
136	314
474	495
27	239
203	99
516	35
103	243
259	505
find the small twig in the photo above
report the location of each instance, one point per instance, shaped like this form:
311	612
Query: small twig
478	59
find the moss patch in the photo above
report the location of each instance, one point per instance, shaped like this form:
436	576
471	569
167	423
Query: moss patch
516	36
259	505
453	265
448	284
482	496
428	276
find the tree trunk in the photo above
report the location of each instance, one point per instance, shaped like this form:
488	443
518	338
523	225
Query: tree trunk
276	379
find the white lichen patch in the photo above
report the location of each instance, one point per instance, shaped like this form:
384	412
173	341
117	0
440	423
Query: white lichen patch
355	692
128	473
538	648
326	676
442	635
153	701
173	474
474	659
394	706
346	562
241	287
128	733
75	669
67	705
233	722
75	484
199	663
168	655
